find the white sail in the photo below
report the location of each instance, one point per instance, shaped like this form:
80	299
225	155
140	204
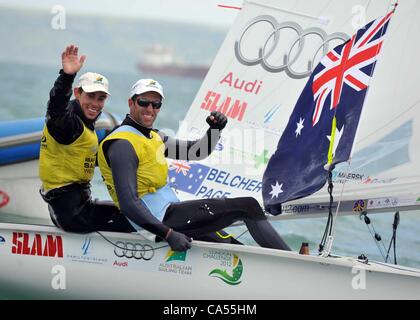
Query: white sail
257	84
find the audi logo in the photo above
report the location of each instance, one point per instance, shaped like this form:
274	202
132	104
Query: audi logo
131	250
291	56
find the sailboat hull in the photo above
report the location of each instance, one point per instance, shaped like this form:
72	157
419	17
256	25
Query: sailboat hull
45	262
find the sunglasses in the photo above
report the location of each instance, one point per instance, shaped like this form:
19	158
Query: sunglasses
145	103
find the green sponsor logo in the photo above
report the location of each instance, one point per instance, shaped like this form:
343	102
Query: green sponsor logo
258	160
262	159
231	279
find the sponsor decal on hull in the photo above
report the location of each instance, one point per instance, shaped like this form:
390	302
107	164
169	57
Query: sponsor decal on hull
37	244
175	263
229	266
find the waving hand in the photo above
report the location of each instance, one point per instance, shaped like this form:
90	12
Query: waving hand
71	61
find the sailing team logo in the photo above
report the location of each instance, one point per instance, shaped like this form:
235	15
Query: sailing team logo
233	278
175	263
99	80
176	256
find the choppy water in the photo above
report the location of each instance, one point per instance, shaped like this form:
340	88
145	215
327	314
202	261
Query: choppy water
29	67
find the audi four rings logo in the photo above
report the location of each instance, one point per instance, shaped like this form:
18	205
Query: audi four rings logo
134	250
289	58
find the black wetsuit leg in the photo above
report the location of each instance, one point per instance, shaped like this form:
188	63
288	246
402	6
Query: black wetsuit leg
72	209
66	206
200	217
105	216
265	235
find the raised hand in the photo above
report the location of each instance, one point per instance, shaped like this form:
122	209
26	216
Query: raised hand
71	61
217	120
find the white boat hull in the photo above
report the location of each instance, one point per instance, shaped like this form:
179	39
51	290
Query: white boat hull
89	268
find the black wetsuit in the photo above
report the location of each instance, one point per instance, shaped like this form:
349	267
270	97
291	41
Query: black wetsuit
199	219
71	207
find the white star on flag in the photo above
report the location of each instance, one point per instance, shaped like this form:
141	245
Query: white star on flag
300	126
338	135
277	189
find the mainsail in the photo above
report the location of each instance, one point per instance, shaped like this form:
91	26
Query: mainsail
259	74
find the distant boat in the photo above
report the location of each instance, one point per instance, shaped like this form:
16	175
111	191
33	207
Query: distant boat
159	60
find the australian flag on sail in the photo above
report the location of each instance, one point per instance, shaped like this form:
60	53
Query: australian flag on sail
323	125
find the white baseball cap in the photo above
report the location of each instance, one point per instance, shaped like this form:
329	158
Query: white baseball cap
146	85
93	82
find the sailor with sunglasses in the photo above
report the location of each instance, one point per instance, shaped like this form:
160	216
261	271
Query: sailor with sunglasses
133	164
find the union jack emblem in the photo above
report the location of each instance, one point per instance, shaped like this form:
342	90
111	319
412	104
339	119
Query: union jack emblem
344	65
180	167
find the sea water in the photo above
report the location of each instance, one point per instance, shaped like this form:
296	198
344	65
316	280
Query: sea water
29	64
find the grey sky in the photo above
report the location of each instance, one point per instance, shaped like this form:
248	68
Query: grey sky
195	11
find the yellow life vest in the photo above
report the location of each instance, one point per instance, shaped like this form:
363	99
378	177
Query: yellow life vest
61	165
152	171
